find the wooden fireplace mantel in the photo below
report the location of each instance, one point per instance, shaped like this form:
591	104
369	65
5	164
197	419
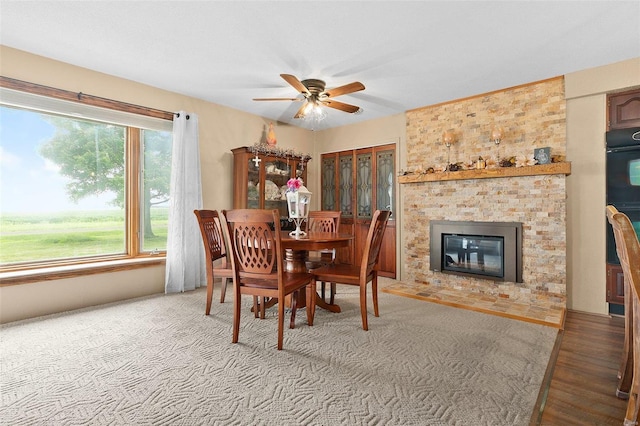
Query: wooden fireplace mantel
563	168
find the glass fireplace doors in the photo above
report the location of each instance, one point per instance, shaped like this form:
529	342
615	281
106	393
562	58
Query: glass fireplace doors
479	255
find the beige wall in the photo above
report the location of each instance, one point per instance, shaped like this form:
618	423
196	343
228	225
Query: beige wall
586	95
221	129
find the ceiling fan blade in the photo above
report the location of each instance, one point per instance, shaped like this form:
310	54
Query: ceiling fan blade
300	113
277	99
297	84
356	86
341	106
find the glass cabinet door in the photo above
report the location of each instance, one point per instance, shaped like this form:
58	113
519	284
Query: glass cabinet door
253	183
385	172
328	181
346	185
277	173
364	185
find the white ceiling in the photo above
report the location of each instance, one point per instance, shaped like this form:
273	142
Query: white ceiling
408	54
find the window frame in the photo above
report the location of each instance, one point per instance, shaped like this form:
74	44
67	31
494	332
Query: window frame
133	257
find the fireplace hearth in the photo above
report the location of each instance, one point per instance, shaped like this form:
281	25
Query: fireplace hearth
486	250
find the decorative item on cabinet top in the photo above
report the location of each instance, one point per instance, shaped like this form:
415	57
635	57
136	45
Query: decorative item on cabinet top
271	136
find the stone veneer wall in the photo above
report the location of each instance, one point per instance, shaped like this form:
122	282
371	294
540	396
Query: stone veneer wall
532	116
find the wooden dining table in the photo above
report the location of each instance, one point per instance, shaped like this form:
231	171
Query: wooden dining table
296	254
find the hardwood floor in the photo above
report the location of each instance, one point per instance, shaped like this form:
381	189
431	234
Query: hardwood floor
584	379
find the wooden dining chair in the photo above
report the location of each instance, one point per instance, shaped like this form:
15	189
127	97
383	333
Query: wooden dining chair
364	272
323	221
625	372
628	249
214	249
253	238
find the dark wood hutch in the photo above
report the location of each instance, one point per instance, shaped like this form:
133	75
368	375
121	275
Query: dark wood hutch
260	176
623	111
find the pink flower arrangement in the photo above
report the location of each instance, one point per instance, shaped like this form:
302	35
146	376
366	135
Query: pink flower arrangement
294	184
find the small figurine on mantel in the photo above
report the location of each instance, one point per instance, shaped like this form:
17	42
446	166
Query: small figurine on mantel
271	136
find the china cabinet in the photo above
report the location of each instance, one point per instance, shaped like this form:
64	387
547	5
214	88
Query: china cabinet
357	182
260	178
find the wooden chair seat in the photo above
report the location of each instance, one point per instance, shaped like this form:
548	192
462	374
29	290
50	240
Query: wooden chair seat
291	281
225	273
342	273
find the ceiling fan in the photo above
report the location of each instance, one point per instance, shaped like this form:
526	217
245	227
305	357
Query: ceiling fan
316	95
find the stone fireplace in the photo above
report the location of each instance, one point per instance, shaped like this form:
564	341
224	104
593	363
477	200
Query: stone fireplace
532	116
536	202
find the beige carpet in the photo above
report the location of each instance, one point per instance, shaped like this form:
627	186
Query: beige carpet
160	361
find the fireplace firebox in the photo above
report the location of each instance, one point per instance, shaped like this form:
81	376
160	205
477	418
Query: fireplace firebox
489	250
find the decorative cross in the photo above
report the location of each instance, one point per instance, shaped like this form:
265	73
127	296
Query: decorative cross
256	160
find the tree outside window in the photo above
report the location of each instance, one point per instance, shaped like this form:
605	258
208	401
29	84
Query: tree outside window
65	187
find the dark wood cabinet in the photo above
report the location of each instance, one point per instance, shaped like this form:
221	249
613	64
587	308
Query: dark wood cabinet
615	284
358	182
260	180
624	110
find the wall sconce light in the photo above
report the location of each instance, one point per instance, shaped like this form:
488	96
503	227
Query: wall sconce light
449	138
496	137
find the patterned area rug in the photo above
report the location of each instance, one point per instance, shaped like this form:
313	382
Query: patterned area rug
160	361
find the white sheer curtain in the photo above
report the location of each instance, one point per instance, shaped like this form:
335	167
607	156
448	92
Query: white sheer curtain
185	269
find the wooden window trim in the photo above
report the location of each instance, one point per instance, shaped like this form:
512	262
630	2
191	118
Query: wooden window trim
133	177
76	270
82	98
70	268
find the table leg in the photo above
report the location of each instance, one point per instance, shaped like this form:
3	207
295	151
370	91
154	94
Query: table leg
296	261
320	302
332	307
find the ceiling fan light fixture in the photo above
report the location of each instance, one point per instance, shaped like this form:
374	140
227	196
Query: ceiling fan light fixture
309	107
314	114
317	98
314	111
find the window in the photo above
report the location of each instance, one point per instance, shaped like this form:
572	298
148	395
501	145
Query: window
156	166
80	183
